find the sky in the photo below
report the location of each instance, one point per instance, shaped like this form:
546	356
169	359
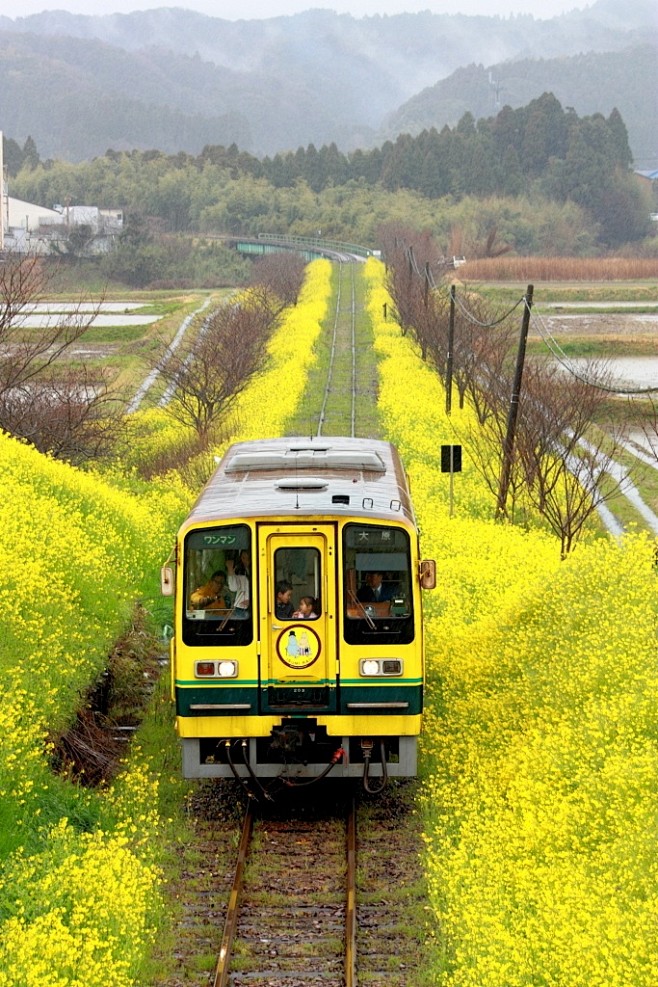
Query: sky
259	9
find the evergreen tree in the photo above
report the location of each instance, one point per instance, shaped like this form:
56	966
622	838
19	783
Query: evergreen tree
619	137
545	134
31	157
13	155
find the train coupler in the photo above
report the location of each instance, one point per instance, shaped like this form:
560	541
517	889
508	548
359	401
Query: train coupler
367	748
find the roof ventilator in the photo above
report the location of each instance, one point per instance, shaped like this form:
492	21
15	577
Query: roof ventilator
305	483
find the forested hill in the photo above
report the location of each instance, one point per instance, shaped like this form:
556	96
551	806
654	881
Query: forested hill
590	83
541	153
176	80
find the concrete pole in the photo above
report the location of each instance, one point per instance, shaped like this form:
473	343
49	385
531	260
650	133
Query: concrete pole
2	194
508	443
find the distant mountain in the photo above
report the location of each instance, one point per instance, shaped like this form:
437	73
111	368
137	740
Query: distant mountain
591	83
176	80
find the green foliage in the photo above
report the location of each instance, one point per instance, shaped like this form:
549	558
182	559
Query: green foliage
578	194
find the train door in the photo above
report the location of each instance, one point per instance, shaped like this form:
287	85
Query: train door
297	580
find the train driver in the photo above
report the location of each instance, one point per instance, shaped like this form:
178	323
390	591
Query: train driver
374	590
213	594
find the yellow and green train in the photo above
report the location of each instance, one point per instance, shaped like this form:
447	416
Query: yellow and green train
297	650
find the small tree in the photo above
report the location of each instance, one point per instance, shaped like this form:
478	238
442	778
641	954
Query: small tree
75	241
208	373
282	274
72	414
565	456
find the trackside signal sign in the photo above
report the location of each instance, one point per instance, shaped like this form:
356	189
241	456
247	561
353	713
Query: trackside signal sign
451	459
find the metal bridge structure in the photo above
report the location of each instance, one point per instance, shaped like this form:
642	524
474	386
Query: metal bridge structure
308	247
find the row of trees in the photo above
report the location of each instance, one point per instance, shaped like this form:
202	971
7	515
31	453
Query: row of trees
207	373
558	454
539	151
75	412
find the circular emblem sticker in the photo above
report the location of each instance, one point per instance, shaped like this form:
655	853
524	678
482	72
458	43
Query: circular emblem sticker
298	646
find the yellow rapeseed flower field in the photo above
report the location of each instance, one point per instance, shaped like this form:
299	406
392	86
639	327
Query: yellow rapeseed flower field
539	753
541	736
79	884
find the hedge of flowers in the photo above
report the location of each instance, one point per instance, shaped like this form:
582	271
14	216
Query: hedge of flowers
79	881
75	551
541	735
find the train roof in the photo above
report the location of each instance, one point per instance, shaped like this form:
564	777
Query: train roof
302	477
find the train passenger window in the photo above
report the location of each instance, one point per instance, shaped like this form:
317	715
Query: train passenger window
297	583
217	578
377	584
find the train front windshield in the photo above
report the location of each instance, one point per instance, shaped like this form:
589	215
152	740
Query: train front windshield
378	602
218	586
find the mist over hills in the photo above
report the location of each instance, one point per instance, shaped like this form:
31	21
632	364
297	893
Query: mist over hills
177	80
590	83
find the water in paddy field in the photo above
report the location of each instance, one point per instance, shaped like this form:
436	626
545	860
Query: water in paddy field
111	314
634	372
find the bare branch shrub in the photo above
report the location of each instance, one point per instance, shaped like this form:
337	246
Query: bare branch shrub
281	273
208	372
412	263
71	413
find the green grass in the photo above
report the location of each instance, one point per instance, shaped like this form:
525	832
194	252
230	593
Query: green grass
597	347
550	293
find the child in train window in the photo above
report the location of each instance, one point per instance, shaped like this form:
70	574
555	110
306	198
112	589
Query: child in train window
283	607
306	609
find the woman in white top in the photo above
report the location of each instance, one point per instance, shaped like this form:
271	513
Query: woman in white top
238	585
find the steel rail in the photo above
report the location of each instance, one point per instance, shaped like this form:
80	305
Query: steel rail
223	966
332	356
331	372
353	417
350	912
222	969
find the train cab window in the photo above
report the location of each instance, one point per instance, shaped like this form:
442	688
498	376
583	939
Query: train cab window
377	584
217	577
297	583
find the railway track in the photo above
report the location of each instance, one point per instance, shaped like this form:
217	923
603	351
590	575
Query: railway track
321	895
297	916
341	375
342	388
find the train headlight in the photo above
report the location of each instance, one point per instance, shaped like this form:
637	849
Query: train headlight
369	666
225	669
381	667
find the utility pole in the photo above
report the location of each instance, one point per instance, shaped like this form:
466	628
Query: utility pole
2	193
508	443
449	355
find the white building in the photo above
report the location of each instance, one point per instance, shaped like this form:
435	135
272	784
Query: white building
98	220
28	227
25	226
